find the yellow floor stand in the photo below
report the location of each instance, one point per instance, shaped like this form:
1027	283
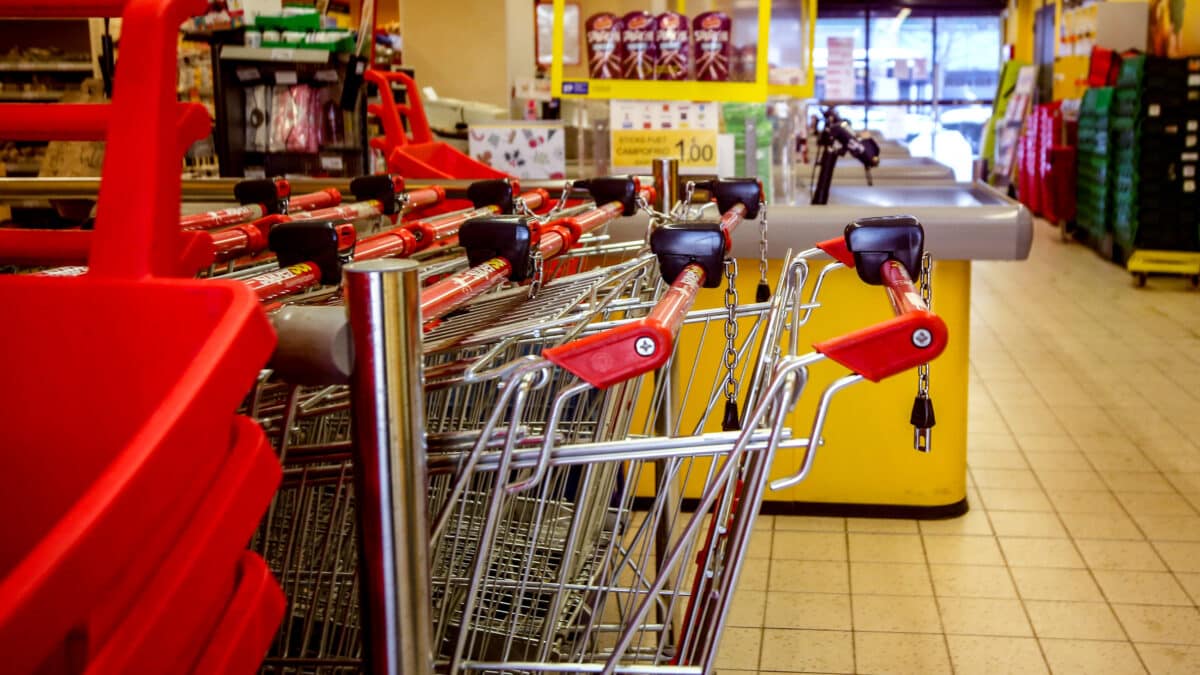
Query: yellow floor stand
867	465
1145	262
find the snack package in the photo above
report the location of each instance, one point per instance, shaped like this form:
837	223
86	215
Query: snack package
671	41
711	46
603	33
294	122
638	45
257	118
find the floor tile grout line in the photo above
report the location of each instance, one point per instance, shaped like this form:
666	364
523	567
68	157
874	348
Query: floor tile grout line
988	635
850	591
1004	555
762	628
1075	545
936	603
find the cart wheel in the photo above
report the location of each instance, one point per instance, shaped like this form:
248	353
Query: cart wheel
1064	231
1139	279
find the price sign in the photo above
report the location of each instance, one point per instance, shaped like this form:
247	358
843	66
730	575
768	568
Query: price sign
637	148
643	131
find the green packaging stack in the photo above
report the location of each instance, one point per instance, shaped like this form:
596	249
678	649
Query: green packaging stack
1093	186
1155	150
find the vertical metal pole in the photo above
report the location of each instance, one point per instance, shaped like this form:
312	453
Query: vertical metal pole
666	182
391	489
750	157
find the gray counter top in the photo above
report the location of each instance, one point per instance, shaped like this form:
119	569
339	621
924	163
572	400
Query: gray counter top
963	221
890	170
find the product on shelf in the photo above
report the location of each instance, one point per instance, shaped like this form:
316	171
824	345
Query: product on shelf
672	42
604	46
711	45
638	46
257	112
292	119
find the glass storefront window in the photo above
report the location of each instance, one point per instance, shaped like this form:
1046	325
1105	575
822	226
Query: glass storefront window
968	57
901	57
921	79
852	27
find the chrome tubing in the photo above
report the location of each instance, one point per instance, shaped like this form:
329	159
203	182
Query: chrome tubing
391	488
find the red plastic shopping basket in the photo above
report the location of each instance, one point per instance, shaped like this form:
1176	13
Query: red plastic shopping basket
414	153
118	412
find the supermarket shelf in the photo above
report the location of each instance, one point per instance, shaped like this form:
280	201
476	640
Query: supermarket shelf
22	168
47	96
211	34
274	54
46	67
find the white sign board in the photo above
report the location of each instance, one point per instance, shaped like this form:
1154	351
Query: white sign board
642	131
531	150
839	71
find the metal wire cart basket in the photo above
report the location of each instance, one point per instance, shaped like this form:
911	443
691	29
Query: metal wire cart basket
524	456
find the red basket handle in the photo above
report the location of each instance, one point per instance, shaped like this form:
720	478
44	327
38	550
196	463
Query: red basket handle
137	214
392	115
145	129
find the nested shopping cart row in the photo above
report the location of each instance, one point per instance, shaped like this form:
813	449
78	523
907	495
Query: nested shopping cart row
558	448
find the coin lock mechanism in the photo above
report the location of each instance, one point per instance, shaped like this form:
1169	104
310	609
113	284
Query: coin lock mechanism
874	241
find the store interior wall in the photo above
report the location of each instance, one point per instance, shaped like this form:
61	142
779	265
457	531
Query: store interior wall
1178	18
469	49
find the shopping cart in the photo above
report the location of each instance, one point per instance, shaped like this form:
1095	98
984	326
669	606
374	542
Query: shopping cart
571	551
553	498
308	536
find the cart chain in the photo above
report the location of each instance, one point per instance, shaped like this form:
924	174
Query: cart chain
686	203
562	198
655	217
731	420
763	292
522	209
536	262
922	417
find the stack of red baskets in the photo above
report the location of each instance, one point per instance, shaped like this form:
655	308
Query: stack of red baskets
1046	164
1029	164
135	486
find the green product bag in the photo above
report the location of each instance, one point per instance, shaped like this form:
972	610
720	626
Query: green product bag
735	116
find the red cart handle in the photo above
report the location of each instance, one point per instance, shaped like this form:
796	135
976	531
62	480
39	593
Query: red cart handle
631	349
638	347
551	239
320	199
211	220
913	337
400	241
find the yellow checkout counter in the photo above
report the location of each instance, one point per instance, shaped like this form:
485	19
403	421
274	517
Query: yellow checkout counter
868	465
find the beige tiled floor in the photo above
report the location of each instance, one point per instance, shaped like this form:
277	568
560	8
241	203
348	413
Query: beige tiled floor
1081	552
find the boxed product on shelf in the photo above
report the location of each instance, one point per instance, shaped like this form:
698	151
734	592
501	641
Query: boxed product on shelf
713	49
603	34
673	41
644	46
638	46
